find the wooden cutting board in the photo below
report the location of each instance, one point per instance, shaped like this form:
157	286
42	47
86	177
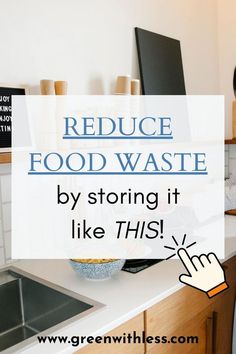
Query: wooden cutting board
231	212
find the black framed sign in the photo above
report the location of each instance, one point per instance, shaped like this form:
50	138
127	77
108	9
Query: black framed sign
6	93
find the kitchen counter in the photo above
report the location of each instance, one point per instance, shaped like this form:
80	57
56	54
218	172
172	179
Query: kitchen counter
125	295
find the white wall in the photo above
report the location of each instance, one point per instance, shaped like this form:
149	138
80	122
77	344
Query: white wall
227	56
90	42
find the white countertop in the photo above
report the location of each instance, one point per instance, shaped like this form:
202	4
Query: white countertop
125	295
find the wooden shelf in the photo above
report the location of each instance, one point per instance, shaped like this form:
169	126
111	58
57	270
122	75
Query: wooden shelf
230	141
5	157
231	212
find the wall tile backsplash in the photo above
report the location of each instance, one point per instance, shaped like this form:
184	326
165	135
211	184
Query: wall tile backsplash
5	201
230	160
5	213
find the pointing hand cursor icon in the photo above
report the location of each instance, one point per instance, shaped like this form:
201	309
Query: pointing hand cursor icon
204	273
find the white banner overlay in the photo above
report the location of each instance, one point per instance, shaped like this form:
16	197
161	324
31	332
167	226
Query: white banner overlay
117	176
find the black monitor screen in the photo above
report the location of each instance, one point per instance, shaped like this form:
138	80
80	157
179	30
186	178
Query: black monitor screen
160	63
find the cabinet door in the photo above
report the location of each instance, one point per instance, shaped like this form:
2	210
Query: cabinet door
135	324
194	336
223	309
189	312
184	313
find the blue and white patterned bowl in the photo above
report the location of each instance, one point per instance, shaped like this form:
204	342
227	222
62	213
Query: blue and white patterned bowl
97	271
